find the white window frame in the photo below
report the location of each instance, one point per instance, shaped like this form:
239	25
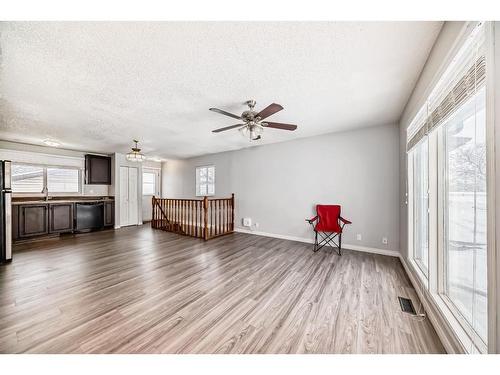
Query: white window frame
197	183
433	286
45	182
157	187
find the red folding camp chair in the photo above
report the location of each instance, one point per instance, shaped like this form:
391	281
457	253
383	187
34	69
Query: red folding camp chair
329	224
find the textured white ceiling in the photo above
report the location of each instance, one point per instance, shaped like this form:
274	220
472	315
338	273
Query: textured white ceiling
97	85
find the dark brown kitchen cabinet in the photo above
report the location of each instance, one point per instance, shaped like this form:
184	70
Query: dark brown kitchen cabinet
33	220
15	222
109	213
60	217
97	170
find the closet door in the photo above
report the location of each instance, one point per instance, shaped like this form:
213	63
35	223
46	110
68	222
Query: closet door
133	206
124	204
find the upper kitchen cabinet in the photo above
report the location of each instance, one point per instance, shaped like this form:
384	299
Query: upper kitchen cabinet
97	170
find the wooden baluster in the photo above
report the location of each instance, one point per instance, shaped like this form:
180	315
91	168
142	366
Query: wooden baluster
212	221
183	215
190	218
218	221
163	218
205	218
169	214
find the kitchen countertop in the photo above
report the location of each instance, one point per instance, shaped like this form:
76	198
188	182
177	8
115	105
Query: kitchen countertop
66	200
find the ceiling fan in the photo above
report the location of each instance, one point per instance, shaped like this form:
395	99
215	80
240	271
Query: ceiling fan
253	126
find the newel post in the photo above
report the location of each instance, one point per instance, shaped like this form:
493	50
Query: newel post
232	212
153	216
205	218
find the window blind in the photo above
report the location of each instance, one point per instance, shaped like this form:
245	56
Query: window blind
458	84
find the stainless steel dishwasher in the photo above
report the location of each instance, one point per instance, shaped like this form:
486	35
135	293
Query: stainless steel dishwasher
89	215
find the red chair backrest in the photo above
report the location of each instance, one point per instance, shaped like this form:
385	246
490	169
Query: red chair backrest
328	216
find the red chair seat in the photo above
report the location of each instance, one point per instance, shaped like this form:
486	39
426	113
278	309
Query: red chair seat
328	218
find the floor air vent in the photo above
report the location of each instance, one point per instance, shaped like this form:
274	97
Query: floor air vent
407	305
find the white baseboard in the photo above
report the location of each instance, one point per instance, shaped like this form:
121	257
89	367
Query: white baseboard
392	253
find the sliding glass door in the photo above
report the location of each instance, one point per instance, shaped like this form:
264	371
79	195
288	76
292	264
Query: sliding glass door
464	183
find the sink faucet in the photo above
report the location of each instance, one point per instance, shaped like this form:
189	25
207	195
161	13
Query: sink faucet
46	192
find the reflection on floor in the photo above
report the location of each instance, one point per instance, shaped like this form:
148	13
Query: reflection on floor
141	290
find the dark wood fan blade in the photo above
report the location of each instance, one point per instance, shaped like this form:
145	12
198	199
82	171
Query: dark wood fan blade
227	128
271	109
278	125
225	113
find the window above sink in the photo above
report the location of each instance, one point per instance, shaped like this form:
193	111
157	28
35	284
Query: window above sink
34	178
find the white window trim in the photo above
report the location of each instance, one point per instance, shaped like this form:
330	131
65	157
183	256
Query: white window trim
51	193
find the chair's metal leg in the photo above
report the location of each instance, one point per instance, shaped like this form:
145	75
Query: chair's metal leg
340	244
316	242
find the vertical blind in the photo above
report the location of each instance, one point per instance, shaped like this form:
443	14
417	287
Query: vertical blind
460	82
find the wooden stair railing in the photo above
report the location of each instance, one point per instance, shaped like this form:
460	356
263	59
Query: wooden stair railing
201	218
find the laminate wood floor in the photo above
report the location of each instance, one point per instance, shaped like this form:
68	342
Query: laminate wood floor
138	290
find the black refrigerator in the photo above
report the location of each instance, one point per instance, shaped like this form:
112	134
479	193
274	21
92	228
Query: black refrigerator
5	211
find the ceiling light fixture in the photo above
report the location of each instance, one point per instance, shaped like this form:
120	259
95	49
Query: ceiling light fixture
252	131
51	143
135	155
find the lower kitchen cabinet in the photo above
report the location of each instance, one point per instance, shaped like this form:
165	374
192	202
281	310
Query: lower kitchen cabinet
60	217
33	220
109	213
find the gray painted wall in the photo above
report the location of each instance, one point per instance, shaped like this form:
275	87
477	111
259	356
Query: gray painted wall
278	185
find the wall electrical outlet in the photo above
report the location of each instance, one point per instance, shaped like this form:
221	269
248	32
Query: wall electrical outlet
358	237
247	222
384	240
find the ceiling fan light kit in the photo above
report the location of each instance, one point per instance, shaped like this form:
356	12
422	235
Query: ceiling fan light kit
253	127
135	155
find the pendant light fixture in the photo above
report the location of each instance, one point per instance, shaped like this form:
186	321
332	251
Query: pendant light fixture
135	155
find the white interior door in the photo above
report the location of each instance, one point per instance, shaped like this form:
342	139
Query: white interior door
124	204
133	204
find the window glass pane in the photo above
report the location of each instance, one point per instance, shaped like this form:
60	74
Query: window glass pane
63	180
148	178
27	178
148	189
148	183
205	181
420	206
465	213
